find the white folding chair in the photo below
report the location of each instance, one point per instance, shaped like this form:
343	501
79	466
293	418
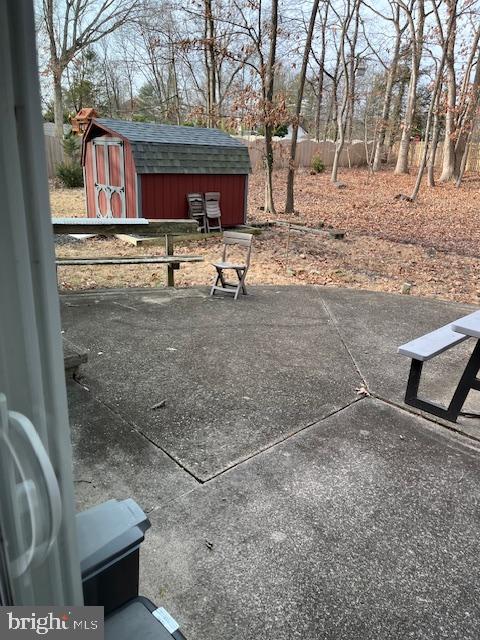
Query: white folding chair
232	238
212	210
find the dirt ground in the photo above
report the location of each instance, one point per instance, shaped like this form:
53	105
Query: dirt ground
432	244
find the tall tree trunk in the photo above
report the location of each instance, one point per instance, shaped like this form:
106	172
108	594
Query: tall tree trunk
333	105
352	75
289	205
379	153
342	112
321	73
58	104
268	84
448	167
463	162
416	32
328	119
394	124
210	64
433	147
318	110
176	96
431	110
404	146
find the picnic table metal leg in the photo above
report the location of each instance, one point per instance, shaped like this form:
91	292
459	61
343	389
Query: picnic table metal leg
170	267
413	381
467	382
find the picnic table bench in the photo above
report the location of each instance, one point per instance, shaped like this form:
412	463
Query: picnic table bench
140	226
433	344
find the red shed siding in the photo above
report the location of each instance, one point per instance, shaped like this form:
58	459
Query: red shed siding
164	195
130	182
130	179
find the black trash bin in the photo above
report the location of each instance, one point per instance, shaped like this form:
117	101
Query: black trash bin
109	538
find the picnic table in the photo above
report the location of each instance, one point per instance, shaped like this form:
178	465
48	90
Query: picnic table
468	325
135	226
113	226
433	344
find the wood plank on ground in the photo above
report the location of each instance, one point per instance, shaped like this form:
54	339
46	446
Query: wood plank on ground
144	241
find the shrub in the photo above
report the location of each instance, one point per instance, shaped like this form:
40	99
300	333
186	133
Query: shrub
70	175
72	148
317	165
281	131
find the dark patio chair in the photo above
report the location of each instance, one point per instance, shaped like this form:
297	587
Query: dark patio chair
196	210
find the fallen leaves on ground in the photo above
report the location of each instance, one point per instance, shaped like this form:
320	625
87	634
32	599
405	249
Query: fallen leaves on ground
432	244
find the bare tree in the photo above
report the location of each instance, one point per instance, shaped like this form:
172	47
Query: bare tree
468	116
433	101
257	50
432	156
343	25
380	150
289	205
448	43
320	60
332	114
353	60
159	44
72	26
210	63
417	25
267	88
467	109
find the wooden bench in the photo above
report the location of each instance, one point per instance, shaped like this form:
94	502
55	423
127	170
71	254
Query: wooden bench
140	226
112	226
429	346
172	262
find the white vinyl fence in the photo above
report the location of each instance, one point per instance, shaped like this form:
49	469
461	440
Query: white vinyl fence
353	155
53	154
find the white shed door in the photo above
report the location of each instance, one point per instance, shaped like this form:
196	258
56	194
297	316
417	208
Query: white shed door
109	177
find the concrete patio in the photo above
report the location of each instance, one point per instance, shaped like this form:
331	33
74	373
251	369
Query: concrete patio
283	504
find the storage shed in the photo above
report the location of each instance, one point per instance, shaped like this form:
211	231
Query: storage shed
136	169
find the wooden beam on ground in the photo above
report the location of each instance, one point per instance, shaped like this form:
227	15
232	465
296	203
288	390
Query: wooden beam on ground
246	228
294	226
337	234
111	227
124	237
190	237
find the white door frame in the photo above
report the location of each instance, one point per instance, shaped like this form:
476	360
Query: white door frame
32	375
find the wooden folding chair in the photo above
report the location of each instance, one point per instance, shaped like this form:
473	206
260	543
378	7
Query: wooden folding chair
196	210
245	241
212	209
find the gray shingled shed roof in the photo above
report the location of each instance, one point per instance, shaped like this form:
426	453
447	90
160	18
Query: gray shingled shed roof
162	148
